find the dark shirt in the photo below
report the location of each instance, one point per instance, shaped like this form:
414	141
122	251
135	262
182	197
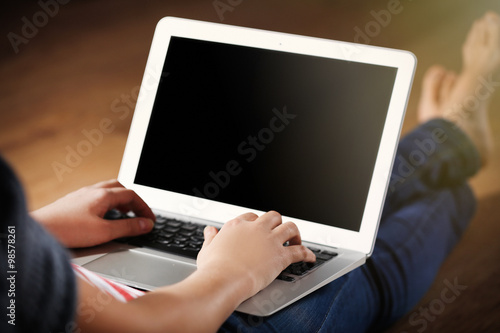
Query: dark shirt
38	283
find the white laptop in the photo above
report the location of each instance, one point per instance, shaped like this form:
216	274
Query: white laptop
232	120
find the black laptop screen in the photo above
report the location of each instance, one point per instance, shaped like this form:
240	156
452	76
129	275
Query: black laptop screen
267	130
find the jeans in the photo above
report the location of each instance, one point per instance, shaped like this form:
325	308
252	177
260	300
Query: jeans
427	208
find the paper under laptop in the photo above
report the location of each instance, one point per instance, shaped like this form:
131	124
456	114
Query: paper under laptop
232	120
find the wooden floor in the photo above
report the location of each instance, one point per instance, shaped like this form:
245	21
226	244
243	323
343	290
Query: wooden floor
68	73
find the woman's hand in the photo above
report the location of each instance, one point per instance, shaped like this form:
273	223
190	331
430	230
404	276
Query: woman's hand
235	263
76	220
250	248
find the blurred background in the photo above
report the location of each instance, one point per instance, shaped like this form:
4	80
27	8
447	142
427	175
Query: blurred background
84	57
65	64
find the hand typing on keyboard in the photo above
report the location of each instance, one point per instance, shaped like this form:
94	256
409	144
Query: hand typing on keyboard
250	248
77	220
186	239
234	263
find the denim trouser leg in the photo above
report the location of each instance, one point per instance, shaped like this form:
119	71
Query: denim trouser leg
428	206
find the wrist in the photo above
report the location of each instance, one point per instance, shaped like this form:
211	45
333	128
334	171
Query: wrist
232	284
211	294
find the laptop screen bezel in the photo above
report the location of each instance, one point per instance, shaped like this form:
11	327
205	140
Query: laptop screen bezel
204	209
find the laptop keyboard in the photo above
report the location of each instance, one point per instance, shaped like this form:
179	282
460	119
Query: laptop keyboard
186	238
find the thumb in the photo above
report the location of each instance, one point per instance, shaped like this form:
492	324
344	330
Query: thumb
131	227
209	233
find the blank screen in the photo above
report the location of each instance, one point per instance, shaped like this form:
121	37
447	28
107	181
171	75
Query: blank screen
267	130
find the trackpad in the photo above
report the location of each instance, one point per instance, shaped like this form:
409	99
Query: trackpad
141	270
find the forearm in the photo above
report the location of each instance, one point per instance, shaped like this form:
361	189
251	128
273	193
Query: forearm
200	303
42	216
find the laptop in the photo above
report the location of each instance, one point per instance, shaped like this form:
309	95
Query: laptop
231	120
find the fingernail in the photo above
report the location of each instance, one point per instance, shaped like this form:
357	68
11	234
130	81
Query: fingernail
145	225
209	230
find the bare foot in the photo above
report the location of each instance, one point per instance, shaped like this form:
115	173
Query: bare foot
481	50
437	85
464	99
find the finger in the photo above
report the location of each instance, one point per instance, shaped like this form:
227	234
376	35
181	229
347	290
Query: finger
247	217
108	184
129	227
288	232
298	253
127	200
447	85
209	233
492	18
271	219
493	25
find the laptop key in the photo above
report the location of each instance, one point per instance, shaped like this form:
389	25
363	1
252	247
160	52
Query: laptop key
325	256
165	234
193	247
174	224
192	253
196	242
114	214
177	245
189	227
314	250
158	226
329	253
186	233
285	278
161	219
198	239
171	229
303	268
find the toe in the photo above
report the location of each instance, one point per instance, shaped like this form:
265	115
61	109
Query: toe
492	27
492	16
432	82
447	86
429	100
